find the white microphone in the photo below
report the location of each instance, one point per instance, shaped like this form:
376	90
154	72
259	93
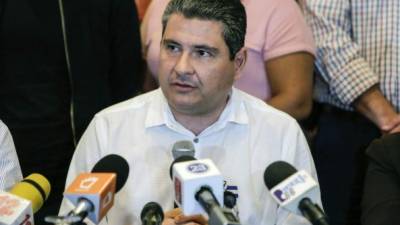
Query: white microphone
24	199
93	193
199	190
295	191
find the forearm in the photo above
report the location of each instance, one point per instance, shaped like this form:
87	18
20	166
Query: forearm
299	108
373	105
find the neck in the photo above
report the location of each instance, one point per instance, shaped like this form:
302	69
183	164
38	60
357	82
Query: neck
196	123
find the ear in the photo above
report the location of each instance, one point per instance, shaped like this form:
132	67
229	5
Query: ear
240	61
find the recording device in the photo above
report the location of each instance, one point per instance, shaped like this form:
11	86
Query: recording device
199	189
183	148
93	193
152	214
295	191
24	199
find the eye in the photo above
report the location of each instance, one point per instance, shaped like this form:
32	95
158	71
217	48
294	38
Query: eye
203	53
173	48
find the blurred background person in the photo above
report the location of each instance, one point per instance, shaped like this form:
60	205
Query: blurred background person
60	63
280	58
141	6
10	171
381	198
358	90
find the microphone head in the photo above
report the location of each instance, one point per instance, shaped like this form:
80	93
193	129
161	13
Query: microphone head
155	209
34	188
113	164
182	158
276	172
182	148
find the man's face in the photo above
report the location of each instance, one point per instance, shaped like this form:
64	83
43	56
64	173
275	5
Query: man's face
195	73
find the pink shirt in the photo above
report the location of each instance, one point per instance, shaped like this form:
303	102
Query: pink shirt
274	28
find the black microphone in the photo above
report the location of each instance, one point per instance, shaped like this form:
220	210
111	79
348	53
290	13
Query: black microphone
181	148
295	191
152	214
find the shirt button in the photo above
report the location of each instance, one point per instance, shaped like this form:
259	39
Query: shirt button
196	140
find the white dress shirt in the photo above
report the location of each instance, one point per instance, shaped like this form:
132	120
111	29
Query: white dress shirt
10	171
248	136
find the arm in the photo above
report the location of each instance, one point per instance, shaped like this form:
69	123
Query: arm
9	164
126	75
349	76
289	59
290	78
376	108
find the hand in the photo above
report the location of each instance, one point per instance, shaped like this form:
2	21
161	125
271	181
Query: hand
176	217
391	126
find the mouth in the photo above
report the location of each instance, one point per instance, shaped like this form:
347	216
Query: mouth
182	87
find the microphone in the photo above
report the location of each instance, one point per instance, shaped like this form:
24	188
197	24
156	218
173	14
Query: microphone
295	191
152	214
199	189
182	148
24	199
93	193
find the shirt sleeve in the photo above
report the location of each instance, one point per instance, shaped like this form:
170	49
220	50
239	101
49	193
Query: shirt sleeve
338	56
9	165
286	30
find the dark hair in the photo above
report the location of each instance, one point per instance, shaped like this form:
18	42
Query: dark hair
230	13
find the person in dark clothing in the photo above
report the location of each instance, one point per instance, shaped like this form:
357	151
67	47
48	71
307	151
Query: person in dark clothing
60	63
381	198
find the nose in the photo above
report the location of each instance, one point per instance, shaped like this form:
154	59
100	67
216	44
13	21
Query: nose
184	65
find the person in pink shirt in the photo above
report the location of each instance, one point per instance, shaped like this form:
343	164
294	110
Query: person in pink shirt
280	55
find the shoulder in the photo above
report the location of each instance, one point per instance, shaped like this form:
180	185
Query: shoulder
260	112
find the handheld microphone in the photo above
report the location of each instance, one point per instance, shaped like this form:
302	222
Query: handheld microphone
24	199
93	193
183	148
199	189
295	191
152	214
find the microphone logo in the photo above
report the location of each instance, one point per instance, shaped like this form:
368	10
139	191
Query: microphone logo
107	199
87	183
8	205
286	192
197	168
26	220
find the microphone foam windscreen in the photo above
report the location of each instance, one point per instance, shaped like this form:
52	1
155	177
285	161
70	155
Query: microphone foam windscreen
113	164
182	148
35	188
152	206
183	158
276	172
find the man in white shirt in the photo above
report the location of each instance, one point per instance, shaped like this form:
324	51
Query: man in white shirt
201	55
10	171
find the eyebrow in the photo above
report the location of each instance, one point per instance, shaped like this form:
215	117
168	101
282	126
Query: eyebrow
196	47
207	48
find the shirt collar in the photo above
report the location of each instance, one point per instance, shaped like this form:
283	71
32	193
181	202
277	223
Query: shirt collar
159	112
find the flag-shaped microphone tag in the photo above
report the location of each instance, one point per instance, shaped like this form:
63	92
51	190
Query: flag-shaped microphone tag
98	188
